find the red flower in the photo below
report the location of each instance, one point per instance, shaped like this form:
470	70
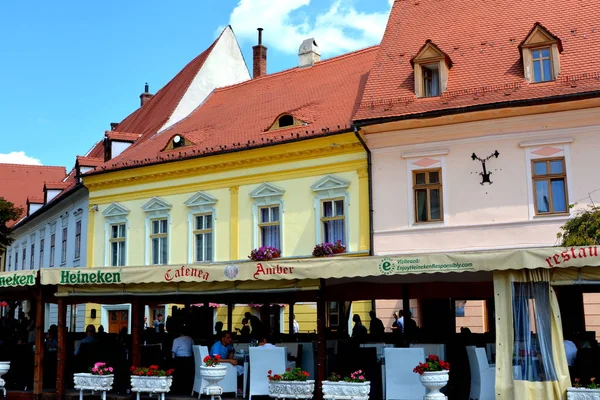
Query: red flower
206	359
306	373
170	371
287	369
433	357
132	368
154	367
217	357
269	372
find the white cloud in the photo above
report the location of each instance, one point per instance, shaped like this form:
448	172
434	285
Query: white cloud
340	28
18	157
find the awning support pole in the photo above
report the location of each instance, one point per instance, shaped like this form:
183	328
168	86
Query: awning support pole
405	309
321	340
137	321
62	348
38	371
291	319
230	317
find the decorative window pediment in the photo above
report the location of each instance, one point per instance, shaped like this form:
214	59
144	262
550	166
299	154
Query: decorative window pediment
156	204
540	51
330	182
431	67
267	193
115	210
285	121
201	199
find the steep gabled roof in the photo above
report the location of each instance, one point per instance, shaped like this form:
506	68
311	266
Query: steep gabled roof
325	96
482	38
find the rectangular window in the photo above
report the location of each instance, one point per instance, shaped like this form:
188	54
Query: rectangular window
52	248
542	65
159	240
32	256
550	186
427	187
77	240
24	256
16	260
431	80
117	245
42	253
63	248
333	314
269	226
9	261
333	220
203	238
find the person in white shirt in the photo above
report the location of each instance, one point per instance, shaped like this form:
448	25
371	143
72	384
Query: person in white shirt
296	325
182	346
263	342
183	363
571	350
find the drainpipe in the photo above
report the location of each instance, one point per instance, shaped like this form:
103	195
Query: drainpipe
370	180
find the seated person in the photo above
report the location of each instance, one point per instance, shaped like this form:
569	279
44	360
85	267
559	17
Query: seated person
263	342
90	332
224	348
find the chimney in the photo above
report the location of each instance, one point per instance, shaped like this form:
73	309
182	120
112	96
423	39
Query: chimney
144	97
308	54
114	125
259	59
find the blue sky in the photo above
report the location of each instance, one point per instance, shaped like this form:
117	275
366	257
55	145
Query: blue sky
70	68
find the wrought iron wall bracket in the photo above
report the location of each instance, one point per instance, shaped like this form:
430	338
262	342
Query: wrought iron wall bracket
485	175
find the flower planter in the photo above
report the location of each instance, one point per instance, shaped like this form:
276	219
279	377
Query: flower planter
213	375
346	390
291	389
151	384
4	367
583	394
434	381
87	381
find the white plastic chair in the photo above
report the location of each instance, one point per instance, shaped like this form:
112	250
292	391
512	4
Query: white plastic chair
229	383
432	348
400	382
261	361
483	376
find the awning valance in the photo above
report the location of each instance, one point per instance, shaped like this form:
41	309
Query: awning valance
13	279
325	268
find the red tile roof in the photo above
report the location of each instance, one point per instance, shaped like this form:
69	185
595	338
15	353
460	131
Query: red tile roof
18	182
55	185
236	117
482	38
35	200
89	161
122	136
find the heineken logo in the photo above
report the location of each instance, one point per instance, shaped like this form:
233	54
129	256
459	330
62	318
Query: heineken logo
93	276
17	280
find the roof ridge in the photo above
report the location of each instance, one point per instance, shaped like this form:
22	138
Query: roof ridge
33	165
289	70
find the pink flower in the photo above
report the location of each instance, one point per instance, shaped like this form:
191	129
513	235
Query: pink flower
110	369
361	377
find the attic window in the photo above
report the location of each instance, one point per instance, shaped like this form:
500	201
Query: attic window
431	67
285	120
540	51
176	142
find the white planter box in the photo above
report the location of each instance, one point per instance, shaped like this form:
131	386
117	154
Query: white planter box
4	367
87	381
151	384
213	375
346	390
434	381
291	389
583	394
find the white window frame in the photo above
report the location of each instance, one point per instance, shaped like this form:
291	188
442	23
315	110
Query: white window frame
114	214
156	208
331	187
158	235
9	253
52	248
64	245
200	203
77	241
260	224
118	239
411	158
16	258
265	195
32	251
530	147
42	246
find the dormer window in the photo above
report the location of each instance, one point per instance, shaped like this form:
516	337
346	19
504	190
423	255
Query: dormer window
176	142
431	67
540	51
284	121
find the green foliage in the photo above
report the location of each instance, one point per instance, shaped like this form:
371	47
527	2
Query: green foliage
8	212
582	230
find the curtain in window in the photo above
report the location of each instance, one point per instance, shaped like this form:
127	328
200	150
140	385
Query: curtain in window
558	195
542	194
270	236
435	83
334	231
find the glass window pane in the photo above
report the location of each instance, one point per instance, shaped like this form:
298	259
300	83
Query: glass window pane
199	245
421	203
545	52
540	168
199	222
164	251
155	244
339	208
434	177
270	236
337	231
436	209
264	215
114	254
547	70
535	53
542	200
163	226
121	254
558	195
208	221
537	72
328	209
122	230
115	231
155	227
420	178
274	214
556	167
209	247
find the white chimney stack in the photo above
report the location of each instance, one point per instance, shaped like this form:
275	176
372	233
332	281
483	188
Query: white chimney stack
308	54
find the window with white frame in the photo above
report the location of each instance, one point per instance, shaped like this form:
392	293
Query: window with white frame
117	242
16	259
9	260
63	248
24	256
77	240
32	256
52	248
203	237
550	185
42	241
159	241
333	220
269	227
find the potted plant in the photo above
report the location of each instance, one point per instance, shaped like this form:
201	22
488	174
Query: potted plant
213	372
292	384
99	378
328	249
151	380
356	386
591	391
264	253
433	375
